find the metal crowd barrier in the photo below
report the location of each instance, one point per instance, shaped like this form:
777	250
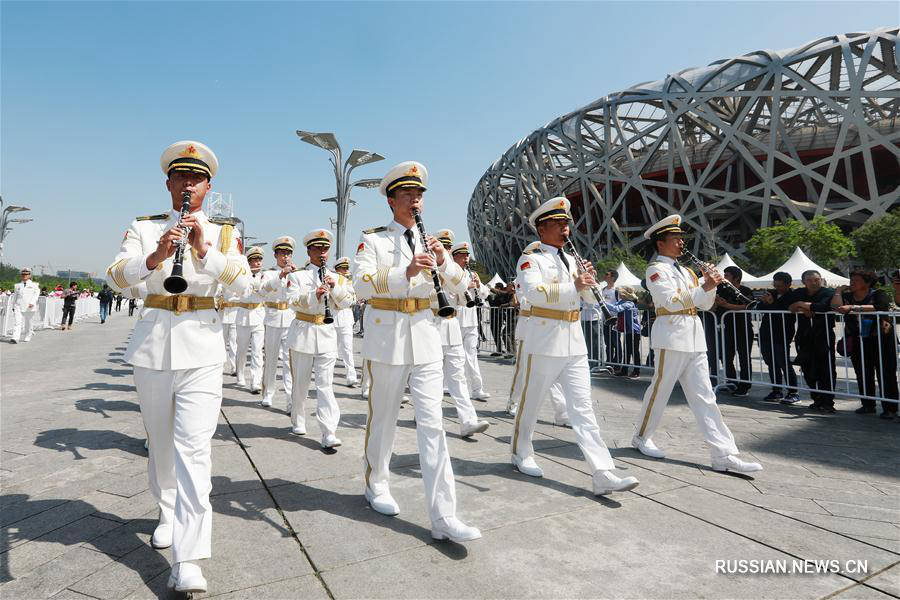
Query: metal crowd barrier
49	312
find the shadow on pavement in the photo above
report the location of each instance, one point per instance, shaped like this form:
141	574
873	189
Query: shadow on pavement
73	440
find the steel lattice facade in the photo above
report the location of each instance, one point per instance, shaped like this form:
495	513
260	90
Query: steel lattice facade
735	146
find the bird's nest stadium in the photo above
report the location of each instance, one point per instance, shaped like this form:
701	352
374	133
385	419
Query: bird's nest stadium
735	146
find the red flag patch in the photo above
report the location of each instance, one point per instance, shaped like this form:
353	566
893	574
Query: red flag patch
654	277
360	248
525	265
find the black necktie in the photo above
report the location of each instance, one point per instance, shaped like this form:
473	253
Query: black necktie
677	266
565	260
408	234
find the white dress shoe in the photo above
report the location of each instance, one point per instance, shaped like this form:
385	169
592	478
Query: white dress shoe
187	578
298	429
382	503
453	529
265	402
482	395
477	427
735	465
330	441
647	447
606	482
527	466
352	384
162	536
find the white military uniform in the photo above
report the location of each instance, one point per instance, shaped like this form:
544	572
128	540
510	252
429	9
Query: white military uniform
343	325
680	344
229	331
402	344
560	414
24	304
554	350
250	315
177	354
313	346
278	320
468	325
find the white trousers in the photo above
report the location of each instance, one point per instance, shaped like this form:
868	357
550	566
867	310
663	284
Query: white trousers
572	373
560	414
345	351
691	370
251	336
276	346
229	333
455	378
23	320
180	411
386	383
470	346
328	413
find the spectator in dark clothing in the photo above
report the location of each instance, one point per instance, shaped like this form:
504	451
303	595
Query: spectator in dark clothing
869	340
713	340
500	299
815	339
132	304
106	298
69	297
628	324
737	328
776	332
118	302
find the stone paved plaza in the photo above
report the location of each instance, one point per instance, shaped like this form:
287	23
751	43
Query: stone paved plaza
290	520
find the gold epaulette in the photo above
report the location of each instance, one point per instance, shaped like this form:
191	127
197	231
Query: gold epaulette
375	230
160	217
225	220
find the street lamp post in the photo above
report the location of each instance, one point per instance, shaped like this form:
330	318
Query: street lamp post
5	220
342	170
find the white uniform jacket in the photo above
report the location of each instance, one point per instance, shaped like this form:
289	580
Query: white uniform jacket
245	317
546	282
25	295
344	316
677	289
399	338
162	339
468	317
275	290
306	337
229	313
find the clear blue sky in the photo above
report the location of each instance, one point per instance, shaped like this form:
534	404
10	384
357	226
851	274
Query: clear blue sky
93	92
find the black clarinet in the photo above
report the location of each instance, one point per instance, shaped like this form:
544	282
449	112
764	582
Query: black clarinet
706	267
444	308
472	298
570	248
176	283
328	318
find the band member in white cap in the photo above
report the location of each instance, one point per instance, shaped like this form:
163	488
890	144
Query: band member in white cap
554	348
278	320
454	356
177	352
680	344
249	322
560	413
229	330
468	323
394	272
24	304
343	324
315	294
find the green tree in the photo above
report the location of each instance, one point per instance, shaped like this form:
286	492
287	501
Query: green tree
635	263
822	241
878	242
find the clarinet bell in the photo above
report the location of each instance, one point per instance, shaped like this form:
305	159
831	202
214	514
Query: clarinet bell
175	284
328	319
445	310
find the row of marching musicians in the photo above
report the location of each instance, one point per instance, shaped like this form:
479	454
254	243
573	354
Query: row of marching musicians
405	276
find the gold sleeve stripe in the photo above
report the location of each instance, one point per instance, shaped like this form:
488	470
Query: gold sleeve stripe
381	281
687	300
225	238
117	273
232	270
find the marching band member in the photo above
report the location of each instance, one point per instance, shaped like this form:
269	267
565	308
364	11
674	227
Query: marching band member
554	348
177	352
560	413
278	320
468	322
454	355
394	271
315	293
229	330
678	338
24	305
343	324
249	321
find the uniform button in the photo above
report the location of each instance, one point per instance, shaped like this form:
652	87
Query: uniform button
377	321
214	320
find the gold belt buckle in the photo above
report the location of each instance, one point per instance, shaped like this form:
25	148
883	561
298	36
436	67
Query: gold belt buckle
182	304
408	305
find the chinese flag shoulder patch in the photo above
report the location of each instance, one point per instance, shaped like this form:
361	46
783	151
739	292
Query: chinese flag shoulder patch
360	248
654	277
525	265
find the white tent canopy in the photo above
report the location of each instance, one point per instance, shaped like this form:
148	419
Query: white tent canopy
747	278
495	280
626	277
795	266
